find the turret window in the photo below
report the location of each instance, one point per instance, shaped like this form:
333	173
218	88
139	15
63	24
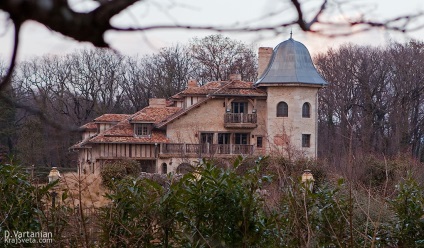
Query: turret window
306	110
282	109
306	140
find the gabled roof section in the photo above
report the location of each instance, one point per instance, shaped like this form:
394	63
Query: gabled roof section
88	126
156	137
214	89
123	132
79	145
153	114
111	118
239	88
291	63
202	90
180	113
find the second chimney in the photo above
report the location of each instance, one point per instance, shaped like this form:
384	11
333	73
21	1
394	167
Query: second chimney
192	83
264	56
157	102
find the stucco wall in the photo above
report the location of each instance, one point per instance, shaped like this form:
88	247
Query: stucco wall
209	117
285	133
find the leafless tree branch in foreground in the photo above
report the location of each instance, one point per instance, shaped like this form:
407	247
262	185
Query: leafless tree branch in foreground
91	26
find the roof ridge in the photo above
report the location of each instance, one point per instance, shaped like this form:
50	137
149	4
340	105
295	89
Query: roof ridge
179	113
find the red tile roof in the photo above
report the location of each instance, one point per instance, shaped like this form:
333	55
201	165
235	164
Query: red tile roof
123	128
111	118
123	131
153	114
156	137
202	90
239	88
89	126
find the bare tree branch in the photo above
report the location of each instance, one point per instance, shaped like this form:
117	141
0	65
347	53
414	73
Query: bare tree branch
58	16
7	79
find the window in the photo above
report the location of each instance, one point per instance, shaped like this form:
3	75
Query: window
206	138
241	139
143	129
259	142
239	107
223	138
282	109
306	140
306	110
164	168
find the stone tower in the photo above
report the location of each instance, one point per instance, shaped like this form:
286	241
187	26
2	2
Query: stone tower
292	83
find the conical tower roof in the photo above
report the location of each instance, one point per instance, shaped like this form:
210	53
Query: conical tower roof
291	63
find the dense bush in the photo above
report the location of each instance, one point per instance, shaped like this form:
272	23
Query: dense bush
240	206
117	170
213	207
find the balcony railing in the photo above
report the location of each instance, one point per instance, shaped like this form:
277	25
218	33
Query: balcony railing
240	118
207	149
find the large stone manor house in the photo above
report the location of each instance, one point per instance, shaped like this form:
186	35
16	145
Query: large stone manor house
277	114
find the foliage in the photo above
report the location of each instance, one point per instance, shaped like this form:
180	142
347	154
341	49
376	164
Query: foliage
213	207
223	207
117	170
131	219
313	217
20	201
408	206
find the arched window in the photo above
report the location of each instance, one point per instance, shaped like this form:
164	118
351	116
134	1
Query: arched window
306	110
164	168
282	109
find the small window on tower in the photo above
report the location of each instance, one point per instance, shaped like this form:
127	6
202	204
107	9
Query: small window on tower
306	140
282	109
306	110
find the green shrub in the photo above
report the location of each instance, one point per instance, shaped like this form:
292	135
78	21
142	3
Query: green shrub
20	204
118	170
213	207
407	230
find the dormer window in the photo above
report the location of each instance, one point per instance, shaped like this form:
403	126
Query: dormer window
143	129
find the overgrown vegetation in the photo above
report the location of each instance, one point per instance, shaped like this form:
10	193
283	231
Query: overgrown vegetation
253	203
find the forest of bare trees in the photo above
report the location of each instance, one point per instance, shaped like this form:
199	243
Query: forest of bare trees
65	92
373	104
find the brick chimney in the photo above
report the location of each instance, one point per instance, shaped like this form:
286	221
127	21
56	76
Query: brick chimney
157	102
264	55
235	77
192	83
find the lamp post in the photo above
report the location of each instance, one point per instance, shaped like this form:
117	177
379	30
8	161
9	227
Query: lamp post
308	184
308	180
53	176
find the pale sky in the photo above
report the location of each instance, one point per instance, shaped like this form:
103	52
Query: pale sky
37	40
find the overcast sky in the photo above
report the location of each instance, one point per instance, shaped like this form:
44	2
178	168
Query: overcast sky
38	40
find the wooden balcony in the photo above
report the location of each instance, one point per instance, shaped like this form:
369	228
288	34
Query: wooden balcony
199	150
240	120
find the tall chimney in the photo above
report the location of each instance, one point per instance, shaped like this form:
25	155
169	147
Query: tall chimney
192	83
264	55
157	102
235	77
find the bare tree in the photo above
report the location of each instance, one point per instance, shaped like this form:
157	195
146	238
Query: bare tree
374	103
217	57
168	71
91	26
